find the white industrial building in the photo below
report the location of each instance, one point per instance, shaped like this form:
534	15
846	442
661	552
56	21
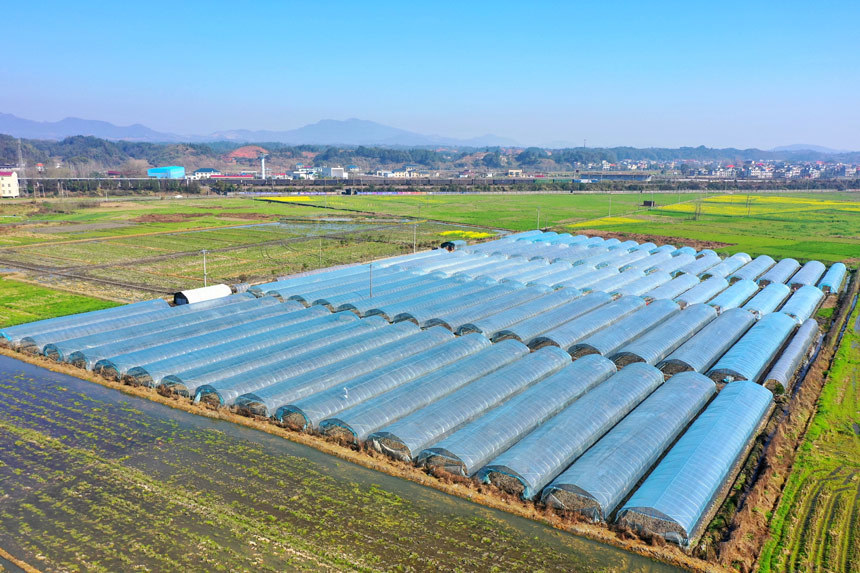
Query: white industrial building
334	172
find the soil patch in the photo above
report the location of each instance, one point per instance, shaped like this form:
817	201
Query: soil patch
643	238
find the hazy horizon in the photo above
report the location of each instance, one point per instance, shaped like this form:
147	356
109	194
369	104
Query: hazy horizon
667	75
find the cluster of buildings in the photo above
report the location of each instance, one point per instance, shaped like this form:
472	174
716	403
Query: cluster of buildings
776	170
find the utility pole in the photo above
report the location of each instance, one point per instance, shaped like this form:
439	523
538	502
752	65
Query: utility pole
22	176
538	218
205	274
610	205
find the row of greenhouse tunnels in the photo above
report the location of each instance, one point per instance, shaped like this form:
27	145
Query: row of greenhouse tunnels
620	380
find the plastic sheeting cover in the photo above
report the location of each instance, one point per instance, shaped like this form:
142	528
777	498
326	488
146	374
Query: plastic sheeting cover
735	295
610	339
490	325
308	412
753	269
600	479
700	265
673	264
569	333
780	272
228	388
587	279
803	303
260	322
151	366
241	314
454	320
809	274
267	400
706	346
116	323
749	356
475	444
795	352
610	284
127	328
768	299
833	278
657	344
678	493
674	288
358	422
406	438
530	328
728	266
645	284
265	353
703	292
543	454
648	262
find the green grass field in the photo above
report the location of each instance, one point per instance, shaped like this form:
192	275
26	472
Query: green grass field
22	302
816	526
824	226
515	212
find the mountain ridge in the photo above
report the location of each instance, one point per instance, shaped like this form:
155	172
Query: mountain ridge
324	132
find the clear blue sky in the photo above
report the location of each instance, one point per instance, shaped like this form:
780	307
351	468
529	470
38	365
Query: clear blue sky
744	74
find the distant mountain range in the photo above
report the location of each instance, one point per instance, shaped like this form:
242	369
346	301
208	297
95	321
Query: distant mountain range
349	132
325	132
807	147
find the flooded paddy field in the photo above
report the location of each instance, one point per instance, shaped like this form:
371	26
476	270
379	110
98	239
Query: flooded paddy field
93	479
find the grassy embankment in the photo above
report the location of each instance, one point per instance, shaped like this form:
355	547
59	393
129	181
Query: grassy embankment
816	526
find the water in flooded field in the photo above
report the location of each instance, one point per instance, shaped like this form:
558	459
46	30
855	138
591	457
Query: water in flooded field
92	479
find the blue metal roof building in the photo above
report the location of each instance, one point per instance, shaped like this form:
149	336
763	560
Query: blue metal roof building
170	172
